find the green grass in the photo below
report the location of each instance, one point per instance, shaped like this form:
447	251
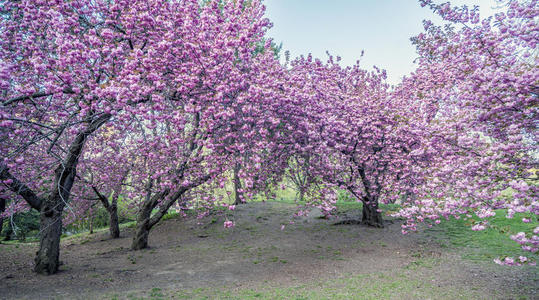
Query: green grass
344	206
484	245
398	285
487	244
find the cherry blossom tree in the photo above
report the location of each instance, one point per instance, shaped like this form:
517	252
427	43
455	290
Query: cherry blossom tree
65	72
478	80
194	132
157	100
359	137
103	177
70	67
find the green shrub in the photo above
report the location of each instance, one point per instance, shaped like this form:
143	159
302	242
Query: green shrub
21	225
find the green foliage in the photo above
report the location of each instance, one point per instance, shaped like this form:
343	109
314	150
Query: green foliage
274	47
21	225
100	217
344	196
170	215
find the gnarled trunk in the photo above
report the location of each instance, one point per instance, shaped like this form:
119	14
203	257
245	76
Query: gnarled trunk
112	209
370	214
145	221
140	239
2	209
47	259
114	225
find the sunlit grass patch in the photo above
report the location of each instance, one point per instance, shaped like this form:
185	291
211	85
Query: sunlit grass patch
487	244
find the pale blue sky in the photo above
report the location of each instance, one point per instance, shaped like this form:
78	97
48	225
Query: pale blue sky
345	27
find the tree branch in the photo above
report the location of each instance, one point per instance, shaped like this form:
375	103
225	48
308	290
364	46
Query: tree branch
35	95
101	198
20	188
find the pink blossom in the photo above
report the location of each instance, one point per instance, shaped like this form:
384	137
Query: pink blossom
228	224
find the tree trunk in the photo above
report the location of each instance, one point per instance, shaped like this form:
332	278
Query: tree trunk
140	240
370	214
146	221
48	257
301	194
112	209
237	185
91	221
114	226
2	209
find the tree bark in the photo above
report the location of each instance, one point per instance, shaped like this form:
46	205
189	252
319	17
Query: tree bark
47	258
145	221
2	209
91	221
237	185
112	209
370	214
114	226
51	208
140	239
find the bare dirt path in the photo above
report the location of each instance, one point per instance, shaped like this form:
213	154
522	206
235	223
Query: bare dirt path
255	254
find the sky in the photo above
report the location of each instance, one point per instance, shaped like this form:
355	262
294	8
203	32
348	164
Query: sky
382	28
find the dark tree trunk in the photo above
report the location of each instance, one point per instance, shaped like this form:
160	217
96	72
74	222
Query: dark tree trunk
140	239
91	222
2	209
51	208
370	214
145	221
47	259
301	194
112	209
114	226
237	185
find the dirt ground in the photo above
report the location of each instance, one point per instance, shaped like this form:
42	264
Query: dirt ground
185	255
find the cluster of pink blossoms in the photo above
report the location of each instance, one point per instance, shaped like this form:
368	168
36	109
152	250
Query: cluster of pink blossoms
161	101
